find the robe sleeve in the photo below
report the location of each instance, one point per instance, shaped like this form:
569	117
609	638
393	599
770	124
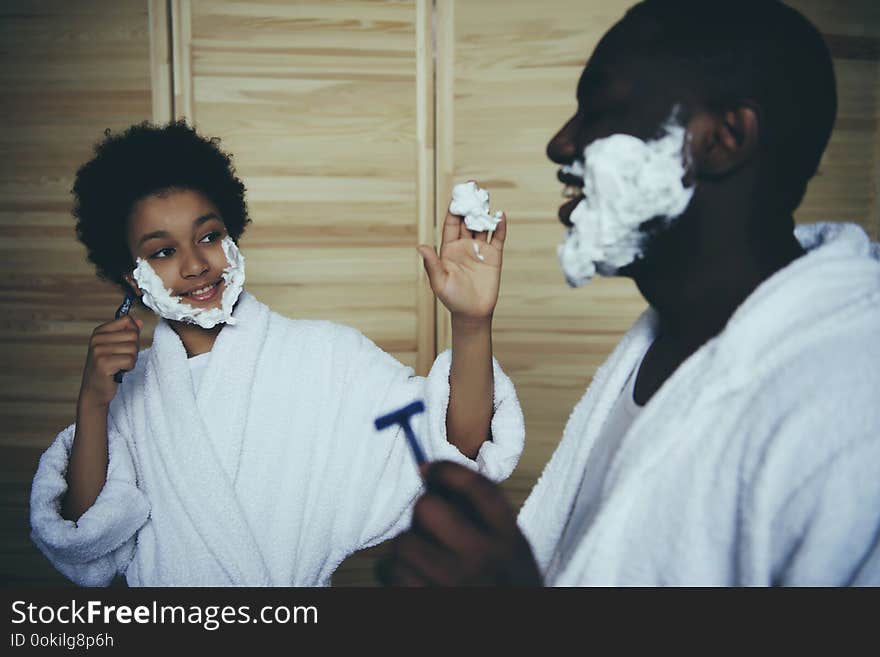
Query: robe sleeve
393	484
100	545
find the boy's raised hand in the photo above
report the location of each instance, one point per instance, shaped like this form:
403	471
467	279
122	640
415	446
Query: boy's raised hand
466	285
112	347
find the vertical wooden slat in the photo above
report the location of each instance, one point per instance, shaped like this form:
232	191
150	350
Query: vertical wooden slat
181	30
160	60
426	310
444	144
874	209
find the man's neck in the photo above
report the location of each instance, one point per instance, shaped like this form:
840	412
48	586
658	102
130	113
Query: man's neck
696	300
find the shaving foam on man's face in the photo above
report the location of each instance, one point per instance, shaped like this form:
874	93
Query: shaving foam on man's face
166	304
627	182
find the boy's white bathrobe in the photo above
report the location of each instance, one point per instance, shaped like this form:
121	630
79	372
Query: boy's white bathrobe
757	462
272	474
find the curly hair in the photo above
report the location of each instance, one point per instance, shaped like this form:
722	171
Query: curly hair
143	160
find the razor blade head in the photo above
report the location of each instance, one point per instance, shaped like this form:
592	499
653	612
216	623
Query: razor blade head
400	416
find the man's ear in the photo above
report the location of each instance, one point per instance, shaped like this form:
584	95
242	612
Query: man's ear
721	142
132	285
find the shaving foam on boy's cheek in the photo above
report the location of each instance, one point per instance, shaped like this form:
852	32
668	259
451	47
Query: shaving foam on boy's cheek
626	182
164	303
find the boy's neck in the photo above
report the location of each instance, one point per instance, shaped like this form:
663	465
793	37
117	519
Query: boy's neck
196	340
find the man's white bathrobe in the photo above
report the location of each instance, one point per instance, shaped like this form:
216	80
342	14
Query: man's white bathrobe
757	462
272	474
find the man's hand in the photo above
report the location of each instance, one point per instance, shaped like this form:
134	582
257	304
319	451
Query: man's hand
464	533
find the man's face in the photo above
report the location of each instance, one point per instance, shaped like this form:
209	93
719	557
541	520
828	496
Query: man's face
617	94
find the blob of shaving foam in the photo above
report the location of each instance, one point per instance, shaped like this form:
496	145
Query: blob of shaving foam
477	253
627	181
472	203
166	304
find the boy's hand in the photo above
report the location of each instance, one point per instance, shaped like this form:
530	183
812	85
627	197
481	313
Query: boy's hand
463	533
112	347
466	285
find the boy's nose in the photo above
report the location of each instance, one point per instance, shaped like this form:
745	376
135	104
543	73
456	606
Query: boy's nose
193	266
561	149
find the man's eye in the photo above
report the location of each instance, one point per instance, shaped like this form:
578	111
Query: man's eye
163	253
211	237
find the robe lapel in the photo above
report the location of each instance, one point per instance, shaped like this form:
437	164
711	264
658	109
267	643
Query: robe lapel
587	421
605	390
224	397
197	461
644	445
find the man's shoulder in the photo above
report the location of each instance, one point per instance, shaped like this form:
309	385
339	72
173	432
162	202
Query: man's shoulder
816	405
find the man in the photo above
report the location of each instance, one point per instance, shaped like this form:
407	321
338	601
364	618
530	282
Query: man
733	437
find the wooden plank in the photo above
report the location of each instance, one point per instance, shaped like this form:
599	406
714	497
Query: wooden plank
181	31
160	60
444	136
425	308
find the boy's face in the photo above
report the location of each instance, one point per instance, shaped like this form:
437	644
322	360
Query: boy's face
179	234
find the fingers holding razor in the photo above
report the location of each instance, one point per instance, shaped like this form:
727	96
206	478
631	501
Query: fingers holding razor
113	346
464	532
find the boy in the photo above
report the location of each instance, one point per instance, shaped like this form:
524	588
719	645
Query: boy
239	448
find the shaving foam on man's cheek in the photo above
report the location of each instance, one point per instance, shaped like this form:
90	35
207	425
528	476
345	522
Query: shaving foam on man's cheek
164	303
626	182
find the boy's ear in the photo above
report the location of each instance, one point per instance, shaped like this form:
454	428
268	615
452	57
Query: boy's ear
132	285
721	142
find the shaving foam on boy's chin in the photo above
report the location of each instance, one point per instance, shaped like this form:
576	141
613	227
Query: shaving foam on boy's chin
166	304
627	181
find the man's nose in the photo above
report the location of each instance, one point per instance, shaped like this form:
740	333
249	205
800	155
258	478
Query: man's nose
562	147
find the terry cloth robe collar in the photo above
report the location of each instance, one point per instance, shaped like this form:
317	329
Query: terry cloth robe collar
198	439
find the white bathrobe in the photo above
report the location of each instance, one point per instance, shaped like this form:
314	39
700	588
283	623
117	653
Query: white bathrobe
757	462
272	474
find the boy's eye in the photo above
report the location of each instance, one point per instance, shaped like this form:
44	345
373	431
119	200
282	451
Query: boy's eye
163	253
211	237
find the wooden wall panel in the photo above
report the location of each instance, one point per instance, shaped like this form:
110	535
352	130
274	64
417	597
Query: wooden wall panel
318	101
68	71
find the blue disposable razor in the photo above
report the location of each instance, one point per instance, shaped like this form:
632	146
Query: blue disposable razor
121	312
402	417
